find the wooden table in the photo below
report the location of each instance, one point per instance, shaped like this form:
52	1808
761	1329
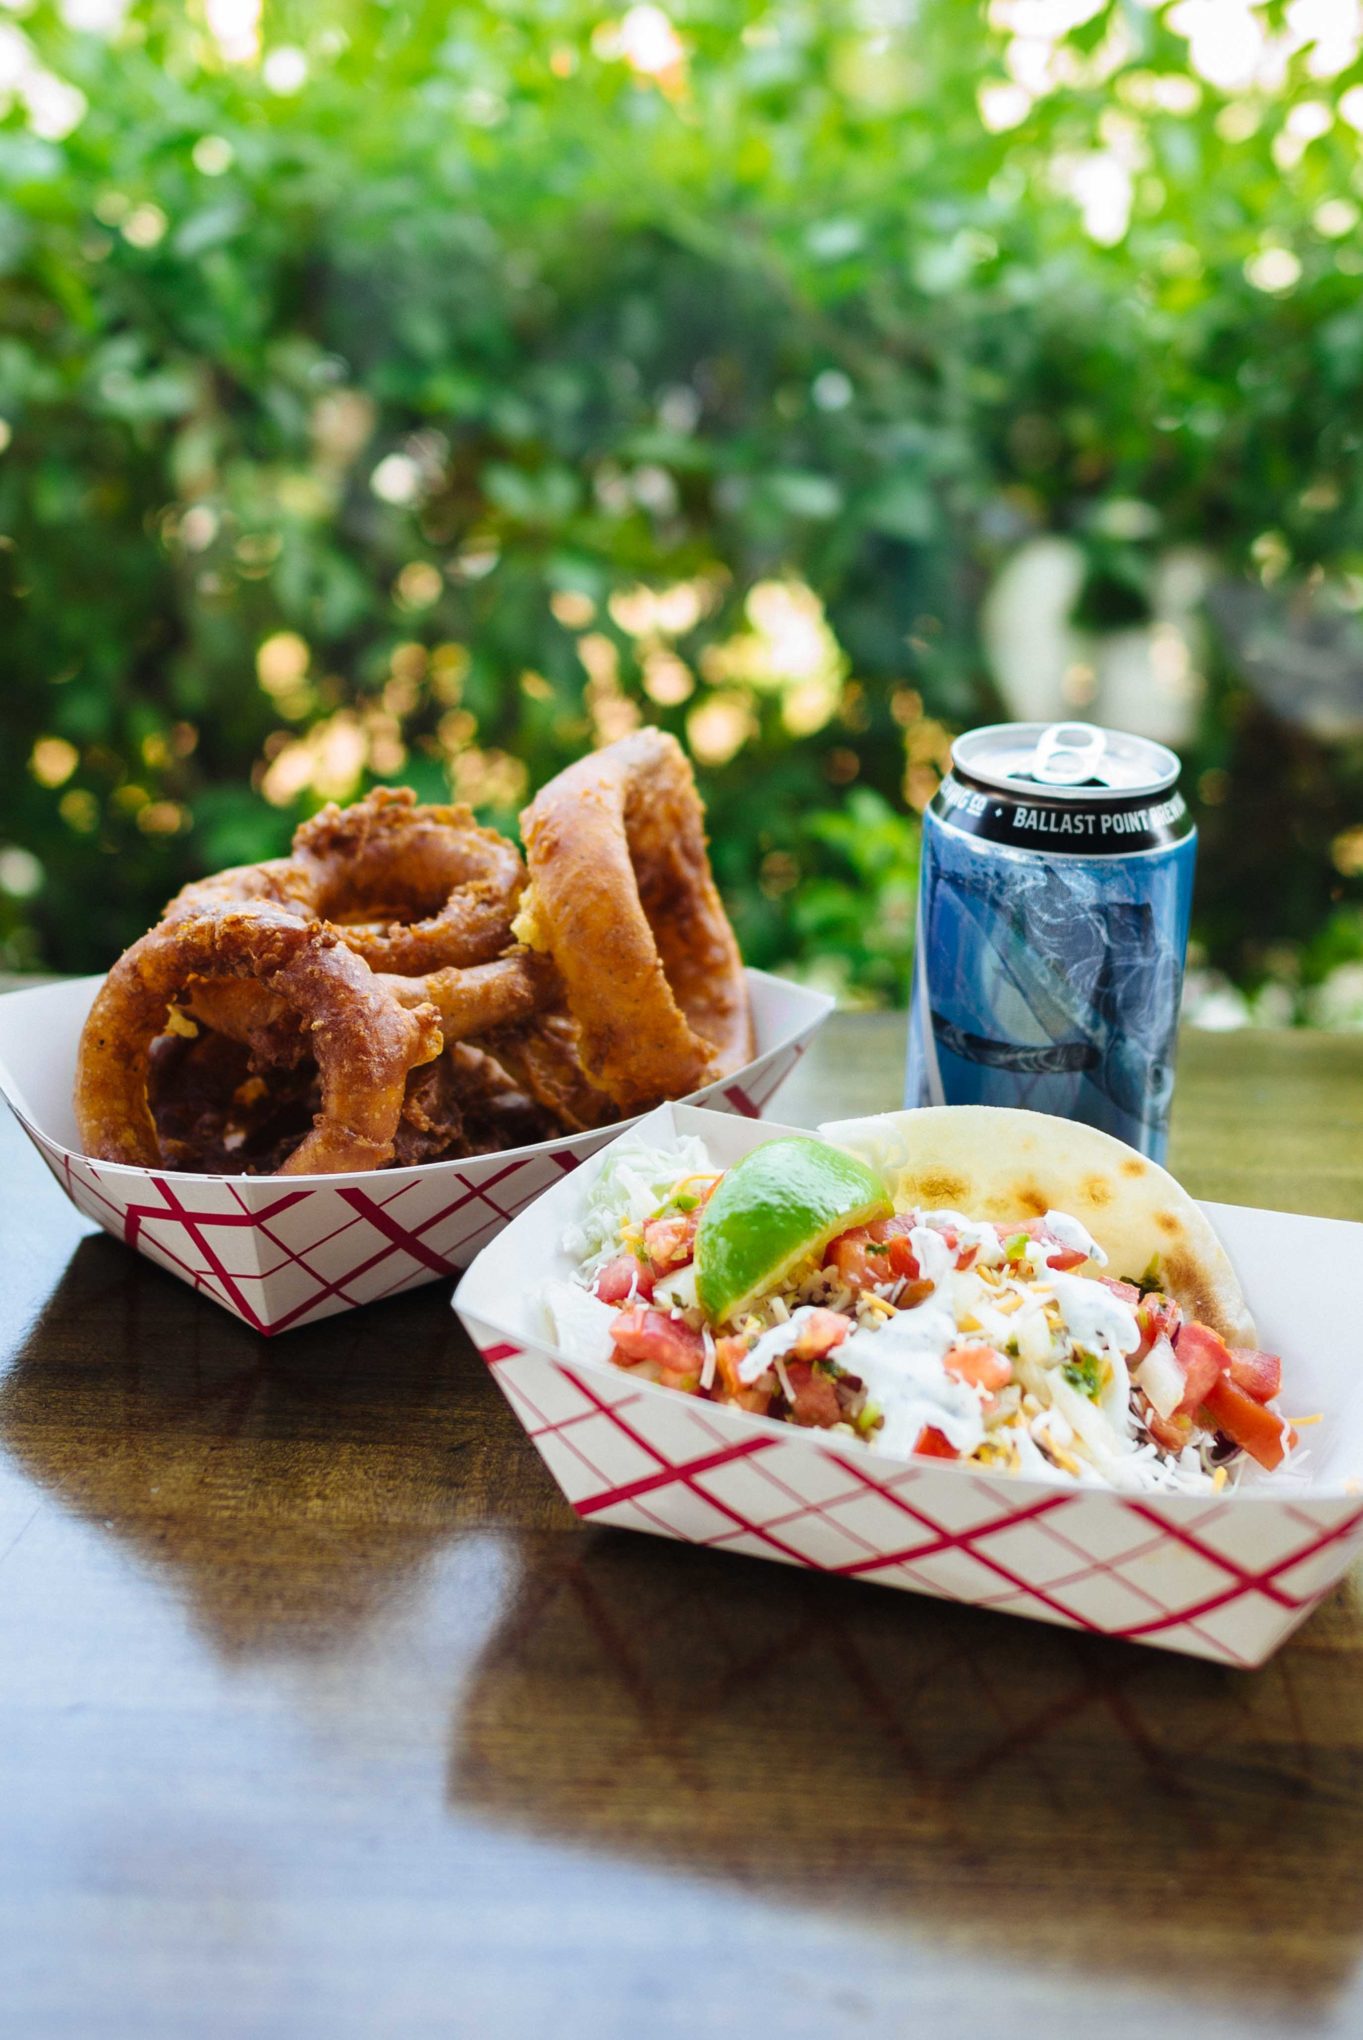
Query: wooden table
320	1715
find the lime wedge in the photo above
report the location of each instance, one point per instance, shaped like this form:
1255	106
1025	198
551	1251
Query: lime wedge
782	1202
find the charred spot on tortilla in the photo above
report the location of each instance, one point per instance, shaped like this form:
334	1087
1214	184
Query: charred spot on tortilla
1184	1278
1097	1190
1178	1271
1168	1222
1132	1166
1033	1200
938	1189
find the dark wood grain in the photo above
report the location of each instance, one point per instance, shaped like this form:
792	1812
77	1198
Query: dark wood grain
321	1716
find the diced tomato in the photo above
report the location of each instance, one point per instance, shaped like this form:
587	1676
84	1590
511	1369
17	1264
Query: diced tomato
622	1279
820	1332
1259	1374
651	1338
981	1366
1203	1358
815	1403
1128	1293
1264	1434
670	1242
855	1265
932	1444
1056	1255
903	1261
869	1255
754	1395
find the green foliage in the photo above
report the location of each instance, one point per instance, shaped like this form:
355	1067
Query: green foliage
356	393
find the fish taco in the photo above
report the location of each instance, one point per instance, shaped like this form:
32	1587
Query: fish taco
968	1283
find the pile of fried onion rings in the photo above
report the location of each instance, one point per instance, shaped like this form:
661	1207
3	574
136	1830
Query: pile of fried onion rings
400	989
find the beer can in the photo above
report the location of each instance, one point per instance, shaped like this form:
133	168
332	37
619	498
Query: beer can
1053	907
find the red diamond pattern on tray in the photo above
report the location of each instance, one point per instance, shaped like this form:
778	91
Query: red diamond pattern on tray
278	1256
1223	1578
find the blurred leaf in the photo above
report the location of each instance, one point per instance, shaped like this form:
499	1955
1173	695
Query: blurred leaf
434	364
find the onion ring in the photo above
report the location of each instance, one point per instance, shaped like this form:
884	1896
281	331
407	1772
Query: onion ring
465	1002
623	898
459	884
485	995
248	1012
442	1115
411	889
364	1041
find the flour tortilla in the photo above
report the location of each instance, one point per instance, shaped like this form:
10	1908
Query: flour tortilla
992	1162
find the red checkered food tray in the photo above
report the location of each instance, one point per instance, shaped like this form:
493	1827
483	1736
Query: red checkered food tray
1225	1577
280	1251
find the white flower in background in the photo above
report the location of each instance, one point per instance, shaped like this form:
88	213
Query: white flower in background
21	875
643	38
1211	1001
1227	41
1100	185
212	155
94	17
831	390
1338	1002
1273	269
285	70
1331	32
53	107
1143	677
145	226
1003	105
235	27
396	479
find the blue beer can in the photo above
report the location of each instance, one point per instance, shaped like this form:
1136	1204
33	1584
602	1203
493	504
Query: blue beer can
1053	907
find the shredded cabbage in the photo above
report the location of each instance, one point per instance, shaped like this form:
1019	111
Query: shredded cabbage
634	1181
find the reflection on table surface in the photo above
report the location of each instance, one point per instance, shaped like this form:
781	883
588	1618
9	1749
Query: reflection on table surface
1006	1790
319	1714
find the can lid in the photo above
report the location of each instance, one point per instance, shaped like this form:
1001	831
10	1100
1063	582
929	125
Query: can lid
1066	760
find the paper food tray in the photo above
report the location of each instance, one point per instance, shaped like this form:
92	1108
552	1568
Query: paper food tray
280	1251
1226	1577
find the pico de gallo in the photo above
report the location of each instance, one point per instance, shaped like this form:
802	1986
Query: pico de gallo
1007	1346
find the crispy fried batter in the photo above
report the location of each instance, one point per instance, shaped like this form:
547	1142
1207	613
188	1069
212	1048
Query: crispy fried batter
413	888
445	888
365	1042
623	899
364	1002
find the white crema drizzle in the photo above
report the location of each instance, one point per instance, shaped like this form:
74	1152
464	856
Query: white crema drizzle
1071	1234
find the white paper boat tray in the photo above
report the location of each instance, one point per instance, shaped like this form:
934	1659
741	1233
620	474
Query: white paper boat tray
1225	1577
280	1251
